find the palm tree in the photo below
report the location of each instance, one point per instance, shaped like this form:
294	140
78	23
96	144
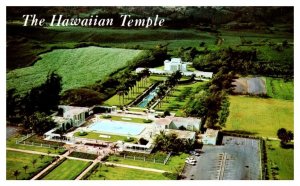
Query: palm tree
17	173
48	152
25	168
55	148
33	162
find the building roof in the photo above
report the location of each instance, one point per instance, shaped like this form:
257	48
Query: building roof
72	110
183	134
210	133
163	121
179	121
60	120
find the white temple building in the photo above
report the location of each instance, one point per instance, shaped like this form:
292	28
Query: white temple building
174	65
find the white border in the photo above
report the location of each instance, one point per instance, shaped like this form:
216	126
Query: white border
143	3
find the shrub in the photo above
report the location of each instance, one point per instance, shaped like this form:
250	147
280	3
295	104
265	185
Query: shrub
106	116
128	139
82	133
147	120
172	176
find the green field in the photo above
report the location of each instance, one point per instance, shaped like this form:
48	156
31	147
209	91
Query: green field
259	116
277	88
17	160
105	172
78	67
95	135
281	158
178	98
176	162
126	119
11	142
68	170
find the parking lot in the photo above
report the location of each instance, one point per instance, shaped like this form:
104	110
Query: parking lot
236	159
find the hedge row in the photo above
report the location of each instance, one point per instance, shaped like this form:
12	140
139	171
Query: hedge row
83	155
93	169
52	168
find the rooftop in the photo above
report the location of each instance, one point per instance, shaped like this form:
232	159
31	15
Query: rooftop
72	110
183	134
163	121
210	133
182	121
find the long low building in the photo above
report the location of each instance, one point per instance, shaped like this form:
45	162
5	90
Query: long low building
197	73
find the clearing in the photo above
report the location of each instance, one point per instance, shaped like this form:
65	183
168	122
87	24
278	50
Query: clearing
259	116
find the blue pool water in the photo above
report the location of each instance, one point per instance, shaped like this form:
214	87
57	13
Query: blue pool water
148	98
117	127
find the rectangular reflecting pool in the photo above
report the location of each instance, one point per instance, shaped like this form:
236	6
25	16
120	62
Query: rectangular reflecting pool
117	127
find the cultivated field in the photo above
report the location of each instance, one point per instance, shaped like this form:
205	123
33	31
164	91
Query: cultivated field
281	159
68	170
277	88
259	116
104	172
78	67
17	160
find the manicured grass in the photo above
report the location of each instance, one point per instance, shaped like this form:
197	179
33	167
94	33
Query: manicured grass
95	135
17	160
175	163
277	88
127	119
179	96
68	170
262	117
282	158
11	142
116	99
78	67
105	172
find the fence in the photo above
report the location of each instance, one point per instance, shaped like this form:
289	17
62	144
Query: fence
39	144
24	138
22	141
147	159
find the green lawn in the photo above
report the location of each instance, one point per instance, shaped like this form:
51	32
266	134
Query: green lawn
281	158
262	117
127	119
78	67
17	160
11	142
104	172
95	135
277	88
68	170
176	101
176	162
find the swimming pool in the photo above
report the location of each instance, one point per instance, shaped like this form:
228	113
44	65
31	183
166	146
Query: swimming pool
117	127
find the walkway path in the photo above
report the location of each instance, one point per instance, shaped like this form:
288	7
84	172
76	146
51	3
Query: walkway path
87	169
66	155
51	165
